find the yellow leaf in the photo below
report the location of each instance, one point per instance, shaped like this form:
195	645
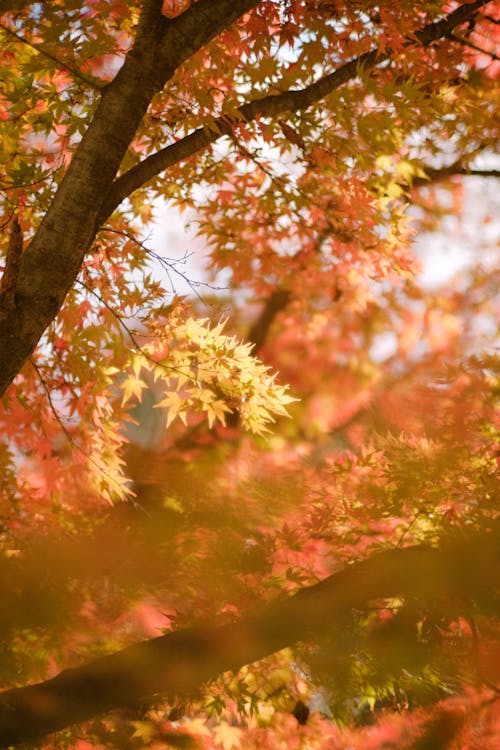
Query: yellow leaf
227	736
383	161
144	730
393	190
132	387
171	503
406	170
175	405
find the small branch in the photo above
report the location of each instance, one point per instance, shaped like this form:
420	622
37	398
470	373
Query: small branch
169	369
23	185
467	43
169	265
69	437
12	264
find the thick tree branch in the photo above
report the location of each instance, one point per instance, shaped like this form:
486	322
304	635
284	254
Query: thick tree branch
179	663
275	303
52	261
270	106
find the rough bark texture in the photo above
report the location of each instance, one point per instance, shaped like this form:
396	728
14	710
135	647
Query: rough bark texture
11	270
178	663
50	264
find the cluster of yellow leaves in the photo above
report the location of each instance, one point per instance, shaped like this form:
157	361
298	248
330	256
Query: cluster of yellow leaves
108	479
209	372
397	175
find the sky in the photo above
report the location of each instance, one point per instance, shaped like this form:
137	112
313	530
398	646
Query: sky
443	253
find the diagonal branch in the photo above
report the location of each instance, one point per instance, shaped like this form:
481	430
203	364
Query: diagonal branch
179	663
270	106
471	45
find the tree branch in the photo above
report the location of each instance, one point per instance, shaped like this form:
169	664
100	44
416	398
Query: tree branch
275	303
279	299
455	169
179	663
471	45
270	106
89	192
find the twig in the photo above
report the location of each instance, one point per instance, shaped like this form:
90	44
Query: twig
170	369
169	265
467	43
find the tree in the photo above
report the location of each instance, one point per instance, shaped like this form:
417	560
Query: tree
340	568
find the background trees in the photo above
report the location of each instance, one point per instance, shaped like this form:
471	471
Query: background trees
309	142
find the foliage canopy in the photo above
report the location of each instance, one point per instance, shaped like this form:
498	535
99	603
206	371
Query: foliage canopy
264	511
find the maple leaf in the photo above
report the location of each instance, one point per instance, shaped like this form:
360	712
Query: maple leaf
132	387
227	737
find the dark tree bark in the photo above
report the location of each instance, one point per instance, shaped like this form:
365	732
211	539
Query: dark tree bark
274	304
452	170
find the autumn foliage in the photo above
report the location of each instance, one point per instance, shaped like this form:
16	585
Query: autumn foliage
249	480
